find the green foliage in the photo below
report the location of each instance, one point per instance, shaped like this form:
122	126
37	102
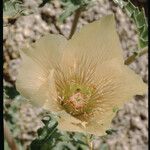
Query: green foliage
50	138
46	135
10	92
6	146
139	19
12	8
11	115
71	6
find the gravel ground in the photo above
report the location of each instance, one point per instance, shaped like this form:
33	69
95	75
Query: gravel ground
132	121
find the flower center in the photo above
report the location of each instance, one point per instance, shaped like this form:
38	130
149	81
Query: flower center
75	103
74	99
76	87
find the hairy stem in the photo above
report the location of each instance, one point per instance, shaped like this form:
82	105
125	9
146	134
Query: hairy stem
10	140
75	21
133	57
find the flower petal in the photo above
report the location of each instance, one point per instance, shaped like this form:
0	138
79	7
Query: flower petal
66	122
117	81
47	50
94	127
98	41
50	103
36	67
31	76
35	86
117	85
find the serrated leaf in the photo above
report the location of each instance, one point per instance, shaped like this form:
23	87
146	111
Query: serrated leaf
144	36
45	133
139	19
130	9
142	43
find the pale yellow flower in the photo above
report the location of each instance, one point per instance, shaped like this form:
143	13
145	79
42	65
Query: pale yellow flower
83	79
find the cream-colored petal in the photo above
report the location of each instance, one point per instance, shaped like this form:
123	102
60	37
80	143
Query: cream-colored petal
66	122
98	41
36	66
117	81
31	76
43	98
100	121
117	85
94	127
51	96
47	50
33	83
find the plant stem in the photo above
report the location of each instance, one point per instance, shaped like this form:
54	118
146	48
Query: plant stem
91	145
75	21
89	141
10	140
133	57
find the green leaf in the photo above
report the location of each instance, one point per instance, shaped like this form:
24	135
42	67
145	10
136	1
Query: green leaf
130	9
69	10
139	19
71	6
45	134
11	92
50	138
12	8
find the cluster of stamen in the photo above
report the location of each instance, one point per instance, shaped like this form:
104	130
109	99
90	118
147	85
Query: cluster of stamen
75	99
75	104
